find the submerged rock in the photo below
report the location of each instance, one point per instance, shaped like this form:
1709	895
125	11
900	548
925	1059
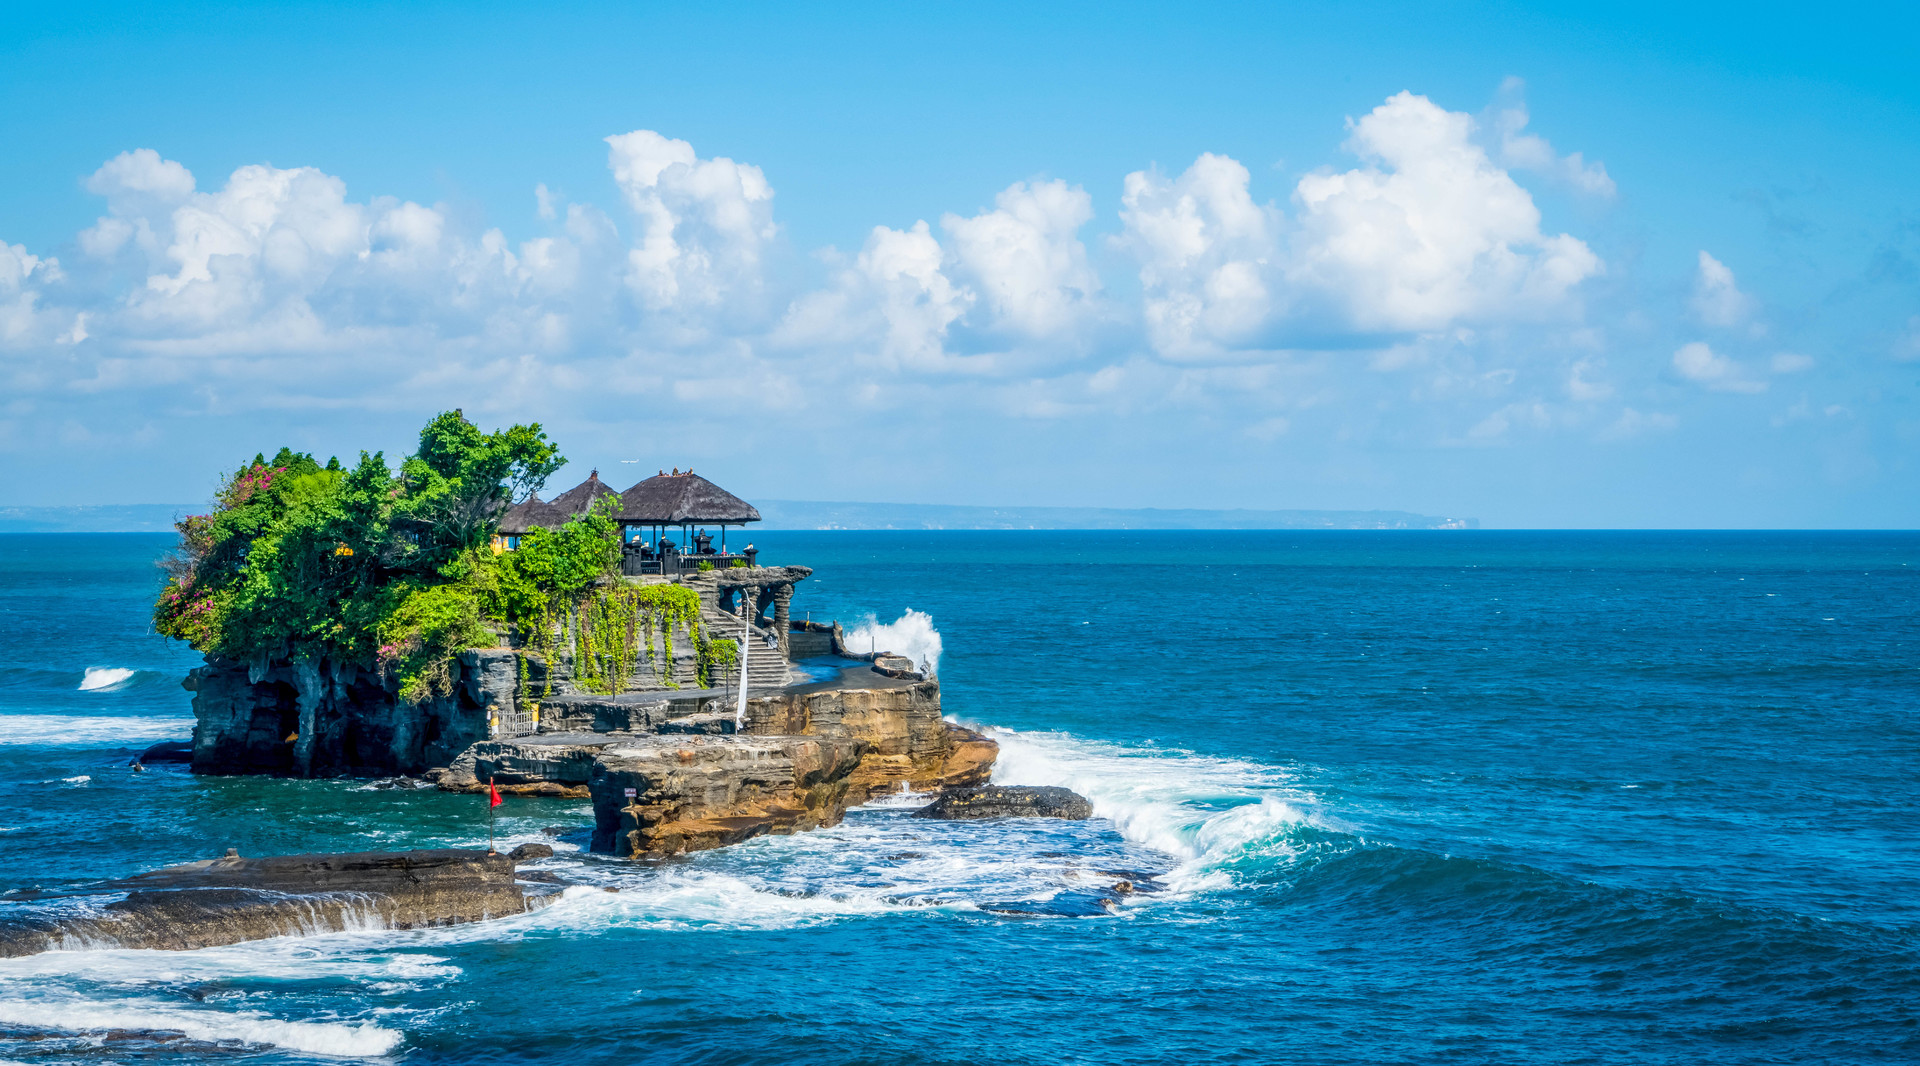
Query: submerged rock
167	751
233	899
1008	801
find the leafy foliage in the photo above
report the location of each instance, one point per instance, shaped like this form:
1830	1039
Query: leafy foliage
715	654
391	569
365	565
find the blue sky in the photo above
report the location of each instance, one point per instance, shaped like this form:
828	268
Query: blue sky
1604	265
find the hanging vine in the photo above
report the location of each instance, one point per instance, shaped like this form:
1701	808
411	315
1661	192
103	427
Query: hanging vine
537	637
562	590
613	630
713	652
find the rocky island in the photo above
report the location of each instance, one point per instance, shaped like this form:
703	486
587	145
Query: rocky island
442	621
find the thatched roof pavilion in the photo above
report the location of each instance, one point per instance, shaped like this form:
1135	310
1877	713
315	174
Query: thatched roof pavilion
579	499
538	514
660	503
534	513
687	499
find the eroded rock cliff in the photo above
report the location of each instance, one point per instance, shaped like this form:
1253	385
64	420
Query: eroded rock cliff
307	719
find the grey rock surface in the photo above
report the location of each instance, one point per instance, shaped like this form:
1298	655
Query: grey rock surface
305	719
713	724
550	764
1008	801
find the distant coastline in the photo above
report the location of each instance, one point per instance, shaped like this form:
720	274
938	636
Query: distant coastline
101	518
807	514
800	514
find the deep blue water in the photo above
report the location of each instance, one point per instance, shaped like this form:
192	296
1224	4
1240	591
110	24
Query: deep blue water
1471	797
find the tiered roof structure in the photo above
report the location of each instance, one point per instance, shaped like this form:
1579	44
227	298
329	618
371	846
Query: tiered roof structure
666	499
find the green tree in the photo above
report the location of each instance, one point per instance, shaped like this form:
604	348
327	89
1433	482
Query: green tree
460	481
366	565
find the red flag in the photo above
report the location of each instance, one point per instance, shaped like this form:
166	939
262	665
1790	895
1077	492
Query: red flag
493	794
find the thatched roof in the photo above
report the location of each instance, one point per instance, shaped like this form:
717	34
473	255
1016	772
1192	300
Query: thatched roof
577	500
522	517
675	499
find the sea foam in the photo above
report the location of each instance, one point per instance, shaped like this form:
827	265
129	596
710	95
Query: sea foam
1205	811
346	1039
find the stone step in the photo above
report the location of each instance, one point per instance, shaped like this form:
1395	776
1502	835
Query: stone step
765	667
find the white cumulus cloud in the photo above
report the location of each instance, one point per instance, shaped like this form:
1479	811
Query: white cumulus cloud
1026	258
1430	232
285	286
1206	252
893	301
1700	364
20	272
1717	299
1520	150
704	224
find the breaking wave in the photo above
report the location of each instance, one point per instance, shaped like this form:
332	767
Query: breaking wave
106	678
1213	815
912	635
67	730
1172	822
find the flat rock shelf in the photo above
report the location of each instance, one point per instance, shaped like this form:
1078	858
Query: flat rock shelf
233	899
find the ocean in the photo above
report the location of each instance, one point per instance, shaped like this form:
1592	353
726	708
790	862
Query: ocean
1391	797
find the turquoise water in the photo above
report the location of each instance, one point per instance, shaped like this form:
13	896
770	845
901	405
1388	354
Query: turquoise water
1405	797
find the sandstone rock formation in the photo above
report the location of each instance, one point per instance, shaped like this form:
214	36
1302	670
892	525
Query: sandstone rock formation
692	792
226	901
1008	801
898	720
806	754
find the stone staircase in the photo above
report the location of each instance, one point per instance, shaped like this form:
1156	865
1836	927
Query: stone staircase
765	667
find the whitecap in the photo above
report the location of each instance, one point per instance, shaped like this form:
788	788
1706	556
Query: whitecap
105	678
81	780
346	1039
